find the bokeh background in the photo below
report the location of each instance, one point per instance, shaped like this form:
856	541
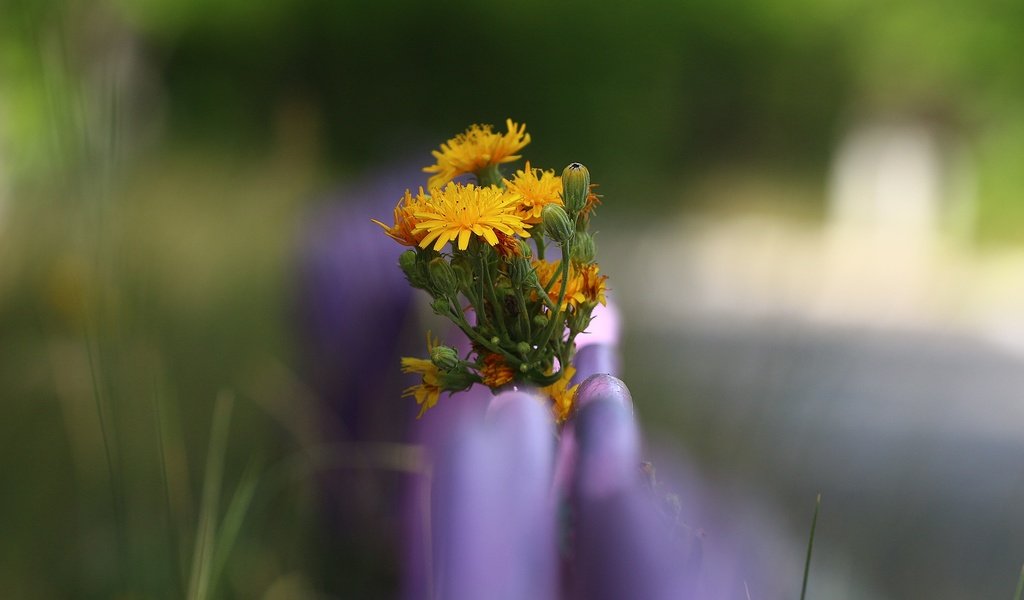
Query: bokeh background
812	222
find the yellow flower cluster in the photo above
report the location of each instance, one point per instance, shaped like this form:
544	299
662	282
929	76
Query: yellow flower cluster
472	247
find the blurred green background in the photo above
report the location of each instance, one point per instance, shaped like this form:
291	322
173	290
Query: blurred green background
156	157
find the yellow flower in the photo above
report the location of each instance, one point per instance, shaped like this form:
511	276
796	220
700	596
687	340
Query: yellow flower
459	211
536	188
585	284
474	149
403	231
546	271
562	396
429	389
495	372
593	283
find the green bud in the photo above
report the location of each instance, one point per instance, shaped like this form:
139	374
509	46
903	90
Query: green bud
455	380
557	223
523	348
440	306
583	248
444	357
413	269
540	320
442	277
575	187
525	249
495	340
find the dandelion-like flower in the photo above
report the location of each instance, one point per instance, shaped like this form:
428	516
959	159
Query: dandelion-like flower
548	271
585	283
429	389
562	394
495	372
462	211
593	283
536	189
476	148
403	231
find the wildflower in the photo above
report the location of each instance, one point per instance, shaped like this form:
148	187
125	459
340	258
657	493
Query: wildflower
475	149
429	389
593	284
507	246
536	189
459	211
495	372
562	395
574	290
403	231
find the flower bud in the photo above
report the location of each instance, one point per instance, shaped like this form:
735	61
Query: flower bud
442	277
444	357
440	306
523	348
525	250
540	320
456	380
413	269
575	187
583	248
557	223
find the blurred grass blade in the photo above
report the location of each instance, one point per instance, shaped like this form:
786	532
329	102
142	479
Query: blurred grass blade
1020	585
233	519
810	547
202	554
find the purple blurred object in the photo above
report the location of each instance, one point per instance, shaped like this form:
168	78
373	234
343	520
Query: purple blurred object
493	530
353	304
621	546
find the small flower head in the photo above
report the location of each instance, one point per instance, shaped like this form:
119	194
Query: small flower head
536	189
404	230
442	277
583	248
557	223
563	396
444	357
508	246
412	268
576	187
574	296
459	212
475	149
429	389
593	283
495	372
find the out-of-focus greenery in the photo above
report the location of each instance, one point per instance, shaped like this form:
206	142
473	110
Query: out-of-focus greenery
155	154
651	91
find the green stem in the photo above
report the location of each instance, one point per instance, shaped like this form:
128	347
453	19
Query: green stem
490	175
539	241
556	313
523	316
499	310
460	320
